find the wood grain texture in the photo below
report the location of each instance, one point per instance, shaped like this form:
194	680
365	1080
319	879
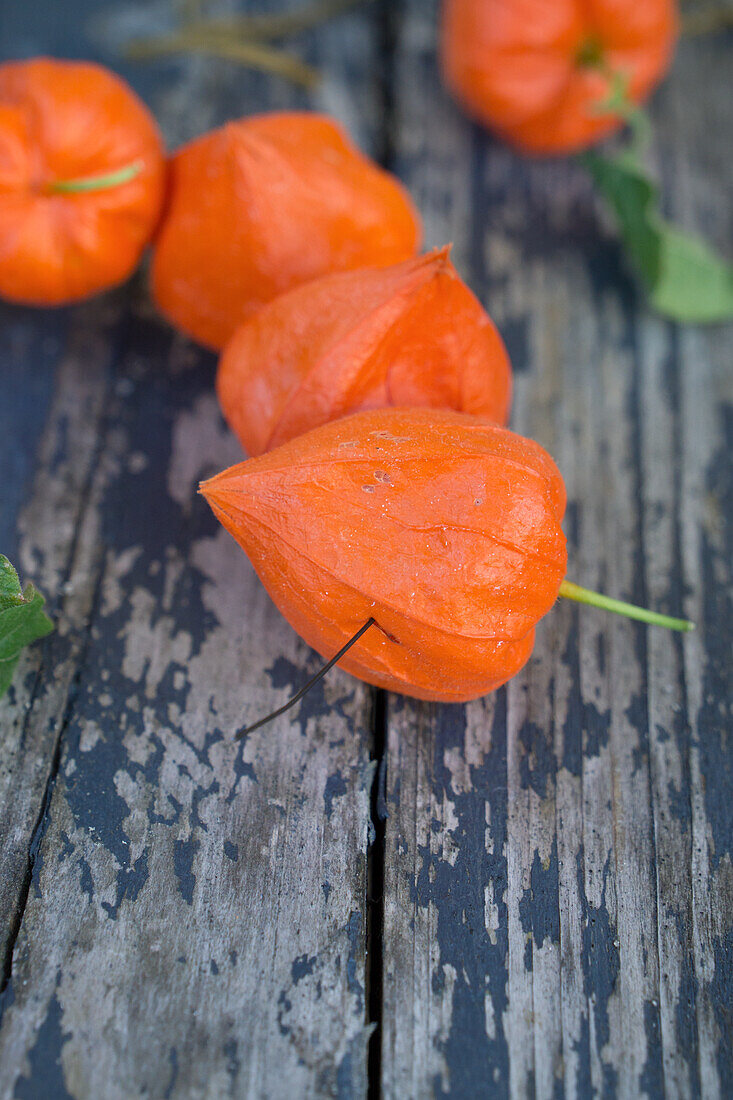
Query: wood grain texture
185	916
558	877
51	546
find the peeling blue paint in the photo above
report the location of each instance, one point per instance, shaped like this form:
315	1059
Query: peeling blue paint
601	964
537	763
302	966
539	906
233	1062
355	957
722	1002
183	856
67	848
457	890
173	1062
686	1006
86	883
581	1047
44	1058
651	1079
130	881
335	787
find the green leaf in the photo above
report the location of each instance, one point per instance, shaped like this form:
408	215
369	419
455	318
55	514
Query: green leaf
685	278
22	620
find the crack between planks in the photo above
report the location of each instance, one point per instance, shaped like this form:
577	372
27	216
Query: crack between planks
388	20
374	968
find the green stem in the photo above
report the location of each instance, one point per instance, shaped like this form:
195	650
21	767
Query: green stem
584	595
96	183
619	102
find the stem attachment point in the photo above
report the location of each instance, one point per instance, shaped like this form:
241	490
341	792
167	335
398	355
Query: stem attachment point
96	183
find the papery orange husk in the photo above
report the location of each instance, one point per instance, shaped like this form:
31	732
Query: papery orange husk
263	204
535	71
443	527
411	334
71	120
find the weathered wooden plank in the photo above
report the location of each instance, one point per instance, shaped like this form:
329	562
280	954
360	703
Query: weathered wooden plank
701	389
54	552
562	926
195	916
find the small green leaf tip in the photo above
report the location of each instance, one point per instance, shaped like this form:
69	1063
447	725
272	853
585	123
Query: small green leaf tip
684	277
22	620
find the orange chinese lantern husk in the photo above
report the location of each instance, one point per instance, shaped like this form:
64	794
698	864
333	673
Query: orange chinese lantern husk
263	204
410	334
82	177
443	527
536	71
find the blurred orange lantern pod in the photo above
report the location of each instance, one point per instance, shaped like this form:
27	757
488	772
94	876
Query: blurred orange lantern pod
411	334
443	528
82	176
263	204
536	71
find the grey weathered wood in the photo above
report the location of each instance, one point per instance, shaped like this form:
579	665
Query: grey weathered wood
702	397
558	858
192	913
58	554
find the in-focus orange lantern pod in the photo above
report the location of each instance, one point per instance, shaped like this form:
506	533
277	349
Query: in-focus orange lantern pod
82	178
411	334
442	527
263	204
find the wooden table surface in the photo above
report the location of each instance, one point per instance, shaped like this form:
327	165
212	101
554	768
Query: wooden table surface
528	896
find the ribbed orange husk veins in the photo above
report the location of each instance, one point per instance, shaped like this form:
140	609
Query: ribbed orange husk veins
412	334
65	120
536	70
442	526
266	203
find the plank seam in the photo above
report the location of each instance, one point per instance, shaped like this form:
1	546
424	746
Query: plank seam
388	22
376	856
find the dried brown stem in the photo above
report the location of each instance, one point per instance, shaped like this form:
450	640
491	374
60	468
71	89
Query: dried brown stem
254	54
278	26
